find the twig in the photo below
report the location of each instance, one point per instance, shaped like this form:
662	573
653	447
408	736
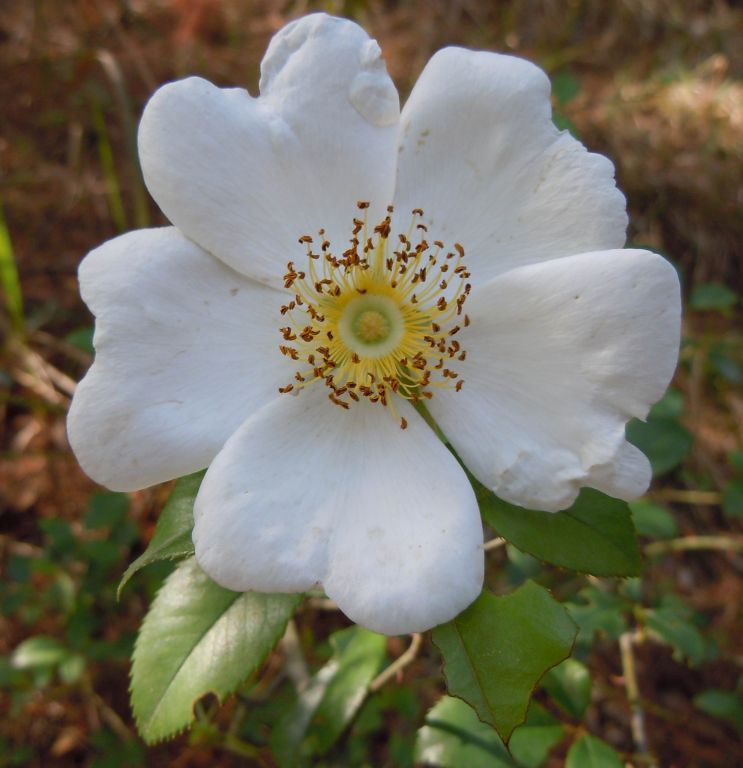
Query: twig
687	543
689	496
637	720
237	746
495	543
398	664
115	722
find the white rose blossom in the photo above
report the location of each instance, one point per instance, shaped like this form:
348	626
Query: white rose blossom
312	290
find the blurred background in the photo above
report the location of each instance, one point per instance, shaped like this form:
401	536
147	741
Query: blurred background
657	85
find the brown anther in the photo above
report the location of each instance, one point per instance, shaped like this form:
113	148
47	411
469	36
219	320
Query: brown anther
459	249
417	211
305	239
458	386
286	389
403	423
289	352
383	228
362	205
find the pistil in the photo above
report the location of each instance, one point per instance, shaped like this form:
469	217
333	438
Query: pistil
380	319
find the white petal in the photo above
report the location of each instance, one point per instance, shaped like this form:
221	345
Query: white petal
384	518
186	349
626	476
245	177
480	155
560	355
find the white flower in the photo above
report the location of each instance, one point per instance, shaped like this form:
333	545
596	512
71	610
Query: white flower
570	336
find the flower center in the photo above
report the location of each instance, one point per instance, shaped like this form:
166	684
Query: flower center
371	326
377	321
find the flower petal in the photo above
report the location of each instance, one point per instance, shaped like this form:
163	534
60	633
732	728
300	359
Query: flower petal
560	356
626	476
480	155
306	493
245	177
186	349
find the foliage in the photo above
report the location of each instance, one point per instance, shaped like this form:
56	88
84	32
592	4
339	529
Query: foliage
497	650
199	638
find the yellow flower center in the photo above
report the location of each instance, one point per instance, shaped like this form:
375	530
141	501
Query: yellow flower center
371	326
377	321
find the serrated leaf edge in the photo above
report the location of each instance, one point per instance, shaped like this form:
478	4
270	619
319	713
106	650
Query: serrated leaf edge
151	740
136	566
449	692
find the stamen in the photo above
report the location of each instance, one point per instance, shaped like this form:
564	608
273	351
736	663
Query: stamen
377	321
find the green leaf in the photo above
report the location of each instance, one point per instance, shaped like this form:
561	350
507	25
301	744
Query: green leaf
564	123
199	638
713	297
662	438
653	520
72	668
732	500
726	705
332	698
9	280
598	611
532	742
569	684
670	406
675	626
595	535
172	537
82	339
736	461
454	737
497	650
565	86
39	651
107	509
590	752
